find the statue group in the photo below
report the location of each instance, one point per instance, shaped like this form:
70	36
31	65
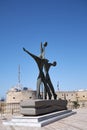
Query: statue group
43	76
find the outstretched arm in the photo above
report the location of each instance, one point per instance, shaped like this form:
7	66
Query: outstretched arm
26	50
36	58
52	64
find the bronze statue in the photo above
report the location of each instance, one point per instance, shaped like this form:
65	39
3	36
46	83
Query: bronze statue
41	77
42	56
47	66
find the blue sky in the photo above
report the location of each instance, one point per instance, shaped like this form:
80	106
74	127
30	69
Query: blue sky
27	23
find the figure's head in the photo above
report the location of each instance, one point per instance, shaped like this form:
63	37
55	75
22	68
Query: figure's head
45	44
54	63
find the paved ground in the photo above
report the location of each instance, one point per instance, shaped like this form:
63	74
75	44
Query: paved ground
75	122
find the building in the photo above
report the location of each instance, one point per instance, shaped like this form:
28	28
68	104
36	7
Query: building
14	96
79	96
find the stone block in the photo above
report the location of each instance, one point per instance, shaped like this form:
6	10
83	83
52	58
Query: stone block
40	107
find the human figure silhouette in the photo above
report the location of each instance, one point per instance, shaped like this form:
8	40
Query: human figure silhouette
41	77
42	56
47	66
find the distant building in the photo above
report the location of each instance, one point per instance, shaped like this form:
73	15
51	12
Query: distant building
79	96
15	96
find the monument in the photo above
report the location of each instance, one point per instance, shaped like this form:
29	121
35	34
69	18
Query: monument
43	77
45	108
49	103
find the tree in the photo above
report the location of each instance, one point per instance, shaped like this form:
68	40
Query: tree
76	104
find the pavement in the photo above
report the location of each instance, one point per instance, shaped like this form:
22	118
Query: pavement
77	121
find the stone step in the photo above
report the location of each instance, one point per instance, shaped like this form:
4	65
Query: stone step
39	121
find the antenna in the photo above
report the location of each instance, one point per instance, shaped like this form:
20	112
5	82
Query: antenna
19	74
58	85
19	87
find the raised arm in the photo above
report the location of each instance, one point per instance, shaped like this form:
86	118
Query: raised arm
32	55
36	58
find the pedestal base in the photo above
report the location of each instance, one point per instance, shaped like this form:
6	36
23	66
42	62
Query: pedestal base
40	107
39	121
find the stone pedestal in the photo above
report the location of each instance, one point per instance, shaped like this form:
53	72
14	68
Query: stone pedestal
40	107
38	113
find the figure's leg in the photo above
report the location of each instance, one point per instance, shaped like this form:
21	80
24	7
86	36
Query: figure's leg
52	88
47	89
38	88
44	94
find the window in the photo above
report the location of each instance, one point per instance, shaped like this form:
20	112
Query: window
83	95
76	94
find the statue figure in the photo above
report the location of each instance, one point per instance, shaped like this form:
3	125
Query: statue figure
41	77
47	66
42	56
